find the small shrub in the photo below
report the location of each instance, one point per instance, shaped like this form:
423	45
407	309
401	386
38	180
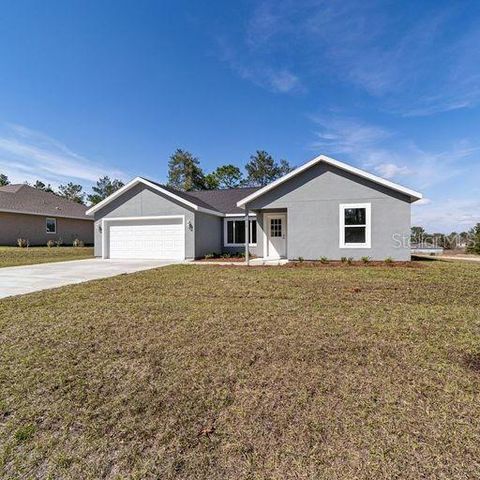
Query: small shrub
78	243
59	242
23	242
50	243
301	259
211	255
365	259
226	255
24	433
343	259
323	260
389	260
350	260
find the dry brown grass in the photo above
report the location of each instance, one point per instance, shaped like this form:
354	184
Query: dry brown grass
14	256
201	372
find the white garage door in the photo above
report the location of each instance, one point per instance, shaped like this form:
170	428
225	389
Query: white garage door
157	239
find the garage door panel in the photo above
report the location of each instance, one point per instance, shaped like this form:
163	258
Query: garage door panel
164	239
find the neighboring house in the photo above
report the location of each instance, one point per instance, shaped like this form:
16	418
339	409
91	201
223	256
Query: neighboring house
38	216
324	208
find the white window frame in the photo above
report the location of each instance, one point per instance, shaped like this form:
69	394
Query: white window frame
54	221
225	231
367	226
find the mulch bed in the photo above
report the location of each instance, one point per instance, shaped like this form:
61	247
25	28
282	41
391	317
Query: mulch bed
217	260
336	264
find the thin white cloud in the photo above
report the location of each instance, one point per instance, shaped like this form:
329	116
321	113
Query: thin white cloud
386	153
258	71
447	215
423	201
284	81
391	156
346	135
394	57
28	155
391	170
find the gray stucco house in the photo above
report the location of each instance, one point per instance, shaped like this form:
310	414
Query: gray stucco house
325	208
39	216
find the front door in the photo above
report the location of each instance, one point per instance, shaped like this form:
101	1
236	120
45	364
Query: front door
276	236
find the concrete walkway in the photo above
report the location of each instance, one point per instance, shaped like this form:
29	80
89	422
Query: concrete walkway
253	262
32	278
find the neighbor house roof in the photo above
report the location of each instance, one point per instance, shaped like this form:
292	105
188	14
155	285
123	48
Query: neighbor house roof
414	196
24	199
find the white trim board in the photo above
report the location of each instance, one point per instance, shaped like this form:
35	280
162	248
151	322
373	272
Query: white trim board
138	180
343	166
239	215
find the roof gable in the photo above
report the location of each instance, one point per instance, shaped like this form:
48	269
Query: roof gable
181	197
414	196
214	202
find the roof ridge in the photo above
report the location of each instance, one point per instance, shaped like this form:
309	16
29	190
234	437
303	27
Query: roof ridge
224	189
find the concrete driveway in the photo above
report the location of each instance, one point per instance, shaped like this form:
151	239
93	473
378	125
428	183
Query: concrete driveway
32	278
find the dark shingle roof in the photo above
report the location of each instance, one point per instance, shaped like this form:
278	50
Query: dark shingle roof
25	199
185	196
223	201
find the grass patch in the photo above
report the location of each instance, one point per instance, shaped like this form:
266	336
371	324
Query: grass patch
14	256
24	433
204	372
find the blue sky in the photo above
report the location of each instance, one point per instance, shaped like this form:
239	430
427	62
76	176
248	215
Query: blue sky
89	88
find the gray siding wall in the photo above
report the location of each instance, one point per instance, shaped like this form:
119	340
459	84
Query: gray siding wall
33	228
312	201
142	201
208	234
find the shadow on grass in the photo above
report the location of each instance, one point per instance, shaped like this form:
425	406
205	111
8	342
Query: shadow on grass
472	362
418	258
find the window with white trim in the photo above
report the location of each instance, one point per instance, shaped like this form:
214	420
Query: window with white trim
235	232
355	225
51	225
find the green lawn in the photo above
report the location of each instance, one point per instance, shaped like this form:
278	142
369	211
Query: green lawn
13	256
208	372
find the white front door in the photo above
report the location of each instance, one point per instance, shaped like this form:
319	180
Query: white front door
276	236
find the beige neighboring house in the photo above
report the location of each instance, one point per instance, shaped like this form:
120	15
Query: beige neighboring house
38	216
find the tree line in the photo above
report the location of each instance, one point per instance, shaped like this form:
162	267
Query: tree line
184	173
468	240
